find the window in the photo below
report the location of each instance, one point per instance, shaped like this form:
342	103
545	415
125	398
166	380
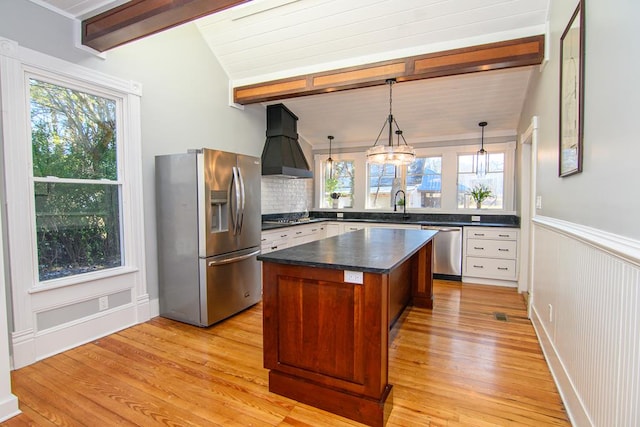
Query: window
493	180
76	186
382	181
437	181
338	183
424	182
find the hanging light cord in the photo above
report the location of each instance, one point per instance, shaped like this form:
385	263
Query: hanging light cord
390	119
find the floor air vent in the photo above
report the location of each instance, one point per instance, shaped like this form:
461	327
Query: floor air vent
500	316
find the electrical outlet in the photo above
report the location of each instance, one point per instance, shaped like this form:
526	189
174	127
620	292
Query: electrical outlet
538	202
550	313
353	277
475	218
103	303
340	215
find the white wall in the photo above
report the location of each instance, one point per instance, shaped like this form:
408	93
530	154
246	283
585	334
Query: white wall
184	95
605	195
586	254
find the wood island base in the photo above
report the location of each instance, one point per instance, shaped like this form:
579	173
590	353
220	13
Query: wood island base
359	408
326	338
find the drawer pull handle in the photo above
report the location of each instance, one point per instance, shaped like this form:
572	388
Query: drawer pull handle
503	268
283	235
478	234
478	248
478	266
313	230
298	232
503	235
503	250
274	247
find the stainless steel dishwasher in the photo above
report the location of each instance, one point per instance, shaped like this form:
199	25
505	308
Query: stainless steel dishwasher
447	252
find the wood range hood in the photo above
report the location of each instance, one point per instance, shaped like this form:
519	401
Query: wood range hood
139	18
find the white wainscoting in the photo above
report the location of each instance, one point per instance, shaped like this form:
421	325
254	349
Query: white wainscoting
586	312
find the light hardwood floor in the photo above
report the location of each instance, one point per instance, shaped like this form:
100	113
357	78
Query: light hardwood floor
453	366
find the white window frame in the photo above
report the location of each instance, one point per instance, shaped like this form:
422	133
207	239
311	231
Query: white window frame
52	78
449	178
29	296
358	180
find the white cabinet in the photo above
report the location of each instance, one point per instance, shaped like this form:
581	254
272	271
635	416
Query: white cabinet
401	226
285	237
490	253
275	239
306	233
353	226
333	229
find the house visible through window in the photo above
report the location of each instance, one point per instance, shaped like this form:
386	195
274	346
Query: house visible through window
382	181
424	182
76	180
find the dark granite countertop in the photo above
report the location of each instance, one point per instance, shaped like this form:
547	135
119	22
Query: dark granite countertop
373	250
275	225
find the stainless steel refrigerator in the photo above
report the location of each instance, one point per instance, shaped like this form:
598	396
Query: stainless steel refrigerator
208	226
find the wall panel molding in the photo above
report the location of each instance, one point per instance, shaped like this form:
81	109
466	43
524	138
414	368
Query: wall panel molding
586	300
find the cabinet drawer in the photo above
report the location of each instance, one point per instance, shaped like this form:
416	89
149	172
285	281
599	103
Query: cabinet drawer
493	233
346	228
273	245
492	248
491	268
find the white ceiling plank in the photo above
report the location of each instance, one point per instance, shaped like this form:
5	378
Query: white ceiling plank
269	39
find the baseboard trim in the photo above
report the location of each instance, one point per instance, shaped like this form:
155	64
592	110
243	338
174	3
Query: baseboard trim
489	282
9	408
573	404
29	347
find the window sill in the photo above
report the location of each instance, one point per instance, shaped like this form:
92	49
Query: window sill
81	278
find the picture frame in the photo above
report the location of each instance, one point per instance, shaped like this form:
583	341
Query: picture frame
572	94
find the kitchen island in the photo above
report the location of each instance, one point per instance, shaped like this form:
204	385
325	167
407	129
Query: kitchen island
328	306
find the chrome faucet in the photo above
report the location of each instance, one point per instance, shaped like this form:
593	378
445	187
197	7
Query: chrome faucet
404	205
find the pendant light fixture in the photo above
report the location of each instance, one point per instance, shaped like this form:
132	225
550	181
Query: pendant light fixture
330	160
482	156
392	154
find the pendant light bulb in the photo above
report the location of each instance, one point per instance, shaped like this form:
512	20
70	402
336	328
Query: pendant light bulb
330	160
482	156
391	154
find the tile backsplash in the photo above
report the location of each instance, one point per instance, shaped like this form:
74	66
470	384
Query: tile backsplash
283	195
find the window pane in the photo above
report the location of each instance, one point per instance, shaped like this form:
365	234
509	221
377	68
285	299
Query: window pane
340	184
424	182
380	184
73	133
78	228
496	162
493	180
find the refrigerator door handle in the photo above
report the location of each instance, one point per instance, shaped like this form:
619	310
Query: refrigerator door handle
222	261
242	201
236	212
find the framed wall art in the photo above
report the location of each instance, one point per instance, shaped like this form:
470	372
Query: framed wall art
572	94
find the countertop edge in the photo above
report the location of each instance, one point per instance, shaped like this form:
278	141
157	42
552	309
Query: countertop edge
268	227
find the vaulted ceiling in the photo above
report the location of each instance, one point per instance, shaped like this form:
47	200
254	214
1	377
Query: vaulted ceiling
264	40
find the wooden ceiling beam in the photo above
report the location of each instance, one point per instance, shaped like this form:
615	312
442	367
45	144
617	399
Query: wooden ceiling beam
493	56
139	18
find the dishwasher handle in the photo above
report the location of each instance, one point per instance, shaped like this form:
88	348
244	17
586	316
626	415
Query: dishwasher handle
443	229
